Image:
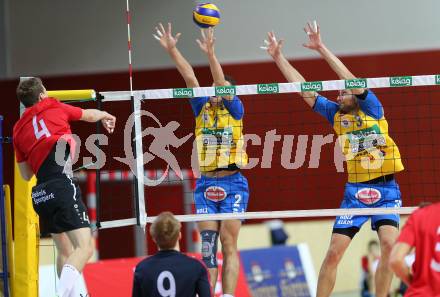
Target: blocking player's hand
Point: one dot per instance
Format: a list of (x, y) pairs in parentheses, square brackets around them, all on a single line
[(165, 37), (272, 45), (314, 34), (206, 43), (109, 122)]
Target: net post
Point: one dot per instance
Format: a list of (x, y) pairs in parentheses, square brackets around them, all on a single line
[(138, 186), (99, 98)]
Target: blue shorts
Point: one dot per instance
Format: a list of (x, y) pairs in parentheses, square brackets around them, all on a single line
[(229, 194), (359, 195)]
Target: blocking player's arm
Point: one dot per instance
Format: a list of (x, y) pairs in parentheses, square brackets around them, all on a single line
[(273, 47), (235, 107), (370, 104), (168, 42), (25, 170), (206, 44), (94, 115), (315, 43)]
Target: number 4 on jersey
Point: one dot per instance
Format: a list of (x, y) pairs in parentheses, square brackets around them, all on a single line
[(40, 132)]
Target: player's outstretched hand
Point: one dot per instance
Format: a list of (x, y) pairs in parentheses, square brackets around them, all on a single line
[(314, 34), (272, 45), (206, 43), (165, 37)]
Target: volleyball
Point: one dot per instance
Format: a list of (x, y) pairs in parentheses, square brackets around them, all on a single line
[(206, 15)]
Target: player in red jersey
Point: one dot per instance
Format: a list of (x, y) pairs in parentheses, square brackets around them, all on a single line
[(422, 232), (56, 198)]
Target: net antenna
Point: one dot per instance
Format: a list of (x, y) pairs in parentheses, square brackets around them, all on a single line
[(138, 186)]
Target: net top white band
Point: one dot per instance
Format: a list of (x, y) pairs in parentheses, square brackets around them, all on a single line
[(277, 88), (312, 213)]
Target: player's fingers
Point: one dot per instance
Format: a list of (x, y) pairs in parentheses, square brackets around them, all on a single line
[(156, 37), (162, 28), (315, 26), (169, 28), (307, 31), (203, 34), (178, 36), (269, 35), (274, 37)]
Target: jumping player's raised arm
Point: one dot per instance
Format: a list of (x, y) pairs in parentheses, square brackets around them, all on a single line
[(232, 103), (315, 43), (169, 42), (206, 44), (273, 47), (368, 102)]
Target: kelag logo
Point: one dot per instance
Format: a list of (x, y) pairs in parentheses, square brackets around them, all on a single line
[(311, 86), (183, 93), (225, 91), (401, 81), (267, 88), (437, 79), (356, 83)]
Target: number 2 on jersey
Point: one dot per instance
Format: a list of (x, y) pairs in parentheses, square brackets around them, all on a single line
[(40, 132), (171, 291)]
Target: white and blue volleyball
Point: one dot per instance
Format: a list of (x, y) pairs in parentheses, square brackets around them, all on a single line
[(206, 15)]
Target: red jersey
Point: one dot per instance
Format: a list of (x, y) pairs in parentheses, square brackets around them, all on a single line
[(39, 129), (422, 231)]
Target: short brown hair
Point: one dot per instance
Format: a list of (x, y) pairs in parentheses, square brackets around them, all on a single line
[(29, 90), (165, 230)]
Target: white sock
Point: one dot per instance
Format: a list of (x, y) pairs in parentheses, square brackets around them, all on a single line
[(68, 278), (77, 289), (228, 295)]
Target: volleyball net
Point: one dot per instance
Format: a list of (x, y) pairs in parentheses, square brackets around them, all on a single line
[(296, 173)]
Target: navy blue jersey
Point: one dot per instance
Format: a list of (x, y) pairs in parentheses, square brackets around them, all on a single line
[(172, 274)]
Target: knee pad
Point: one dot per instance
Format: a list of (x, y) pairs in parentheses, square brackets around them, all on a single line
[(209, 248)]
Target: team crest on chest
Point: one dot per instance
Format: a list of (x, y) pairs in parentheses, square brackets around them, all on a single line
[(345, 122)]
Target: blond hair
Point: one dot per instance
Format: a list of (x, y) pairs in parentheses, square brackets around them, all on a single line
[(165, 230)]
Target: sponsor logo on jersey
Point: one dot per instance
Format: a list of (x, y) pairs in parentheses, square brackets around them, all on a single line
[(215, 193), (437, 79), (267, 88), (368, 195), (217, 137), (366, 139)]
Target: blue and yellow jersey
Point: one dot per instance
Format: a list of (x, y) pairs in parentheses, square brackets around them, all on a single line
[(219, 133), (368, 149)]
